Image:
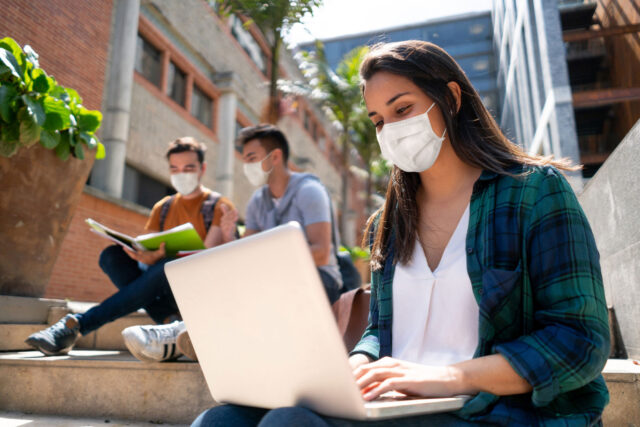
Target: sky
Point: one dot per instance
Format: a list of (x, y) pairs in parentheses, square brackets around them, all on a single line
[(343, 17)]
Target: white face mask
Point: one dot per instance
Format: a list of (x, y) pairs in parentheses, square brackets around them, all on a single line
[(411, 144), (254, 173), (185, 183)]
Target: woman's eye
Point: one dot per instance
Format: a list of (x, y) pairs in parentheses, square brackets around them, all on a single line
[(403, 109), (378, 124)]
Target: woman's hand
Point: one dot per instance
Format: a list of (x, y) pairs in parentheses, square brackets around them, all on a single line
[(357, 360), (388, 374)]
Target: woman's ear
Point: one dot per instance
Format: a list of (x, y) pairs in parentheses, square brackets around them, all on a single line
[(456, 92)]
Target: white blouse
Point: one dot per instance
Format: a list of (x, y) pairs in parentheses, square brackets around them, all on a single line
[(435, 315)]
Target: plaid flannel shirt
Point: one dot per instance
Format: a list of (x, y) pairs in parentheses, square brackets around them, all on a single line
[(535, 272)]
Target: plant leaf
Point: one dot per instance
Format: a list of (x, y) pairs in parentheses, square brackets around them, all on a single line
[(100, 152), (57, 114), (8, 148), (35, 109), (29, 129), (74, 98), (89, 120), (41, 82), (88, 139), (9, 65), (10, 132), (49, 140), (7, 96), (31, 55), (78, 151), (63, 149)]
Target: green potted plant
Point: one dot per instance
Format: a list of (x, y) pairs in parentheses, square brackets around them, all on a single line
[(47, 148)]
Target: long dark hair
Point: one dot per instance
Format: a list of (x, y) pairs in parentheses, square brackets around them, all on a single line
[(475, 137)]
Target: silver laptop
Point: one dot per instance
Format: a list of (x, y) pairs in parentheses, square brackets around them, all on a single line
[(264, 332)]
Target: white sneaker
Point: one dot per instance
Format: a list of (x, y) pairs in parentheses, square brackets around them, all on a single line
[(154, 343)]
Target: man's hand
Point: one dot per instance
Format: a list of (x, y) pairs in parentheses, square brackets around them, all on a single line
[(147, 257), (228, 223)]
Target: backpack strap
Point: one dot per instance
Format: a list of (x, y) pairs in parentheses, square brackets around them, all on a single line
[(165, 210), (208, 207)]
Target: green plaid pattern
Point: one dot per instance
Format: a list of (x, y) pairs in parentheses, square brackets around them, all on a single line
[(535, 272)]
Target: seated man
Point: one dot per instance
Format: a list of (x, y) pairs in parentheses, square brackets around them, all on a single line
[(283, 196), (139, 276)]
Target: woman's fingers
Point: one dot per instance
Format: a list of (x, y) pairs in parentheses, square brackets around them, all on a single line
[(379, 375)]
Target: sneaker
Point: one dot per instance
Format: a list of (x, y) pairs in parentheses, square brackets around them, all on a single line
[(185, 346), (58, 338), (153, 343)]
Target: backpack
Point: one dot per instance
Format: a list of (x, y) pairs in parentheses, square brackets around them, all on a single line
[(207, 209)]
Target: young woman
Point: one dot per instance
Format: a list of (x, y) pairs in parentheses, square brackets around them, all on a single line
[(485, 274)]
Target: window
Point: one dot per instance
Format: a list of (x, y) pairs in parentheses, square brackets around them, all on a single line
[(176, 83), (142, 189), (248, 43), (148, 61), (201, 106)]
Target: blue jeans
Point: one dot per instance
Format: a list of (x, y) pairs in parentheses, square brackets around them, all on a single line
[(244, 416), (136, 289)]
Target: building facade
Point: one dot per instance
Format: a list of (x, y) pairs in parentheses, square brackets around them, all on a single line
[(568, 76), (159, 70)]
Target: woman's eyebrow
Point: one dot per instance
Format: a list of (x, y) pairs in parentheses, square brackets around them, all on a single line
[(390, 101)]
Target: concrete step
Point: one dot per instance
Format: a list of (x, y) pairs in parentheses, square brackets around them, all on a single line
[(14, 331), (17, 419), (114, 385), (109, 384), (623, 380)]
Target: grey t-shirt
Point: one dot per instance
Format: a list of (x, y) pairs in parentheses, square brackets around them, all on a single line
[(305, 200)]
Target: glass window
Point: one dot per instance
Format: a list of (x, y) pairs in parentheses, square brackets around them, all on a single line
[(201, 106), (148, 61), (248, 43), (142, 189), (176, 83)]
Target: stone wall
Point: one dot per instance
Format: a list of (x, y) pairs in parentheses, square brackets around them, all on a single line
[(611, 201)]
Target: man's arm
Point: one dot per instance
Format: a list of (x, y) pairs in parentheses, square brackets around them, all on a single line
[(225, 231), (319, 236)]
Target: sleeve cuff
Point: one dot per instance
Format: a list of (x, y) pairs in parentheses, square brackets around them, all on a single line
[(530, 364), (367, 347)]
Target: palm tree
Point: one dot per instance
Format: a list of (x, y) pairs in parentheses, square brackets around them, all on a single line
[(273, 18), (339, 94)]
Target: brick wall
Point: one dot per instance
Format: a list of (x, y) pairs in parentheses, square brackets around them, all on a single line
[(71, 37), (76, 274)]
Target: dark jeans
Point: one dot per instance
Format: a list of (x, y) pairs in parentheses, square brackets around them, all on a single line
[(244, 416), (331, 286), (136, 289)]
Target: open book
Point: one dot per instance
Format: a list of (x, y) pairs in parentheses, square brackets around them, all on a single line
[(181, 238)]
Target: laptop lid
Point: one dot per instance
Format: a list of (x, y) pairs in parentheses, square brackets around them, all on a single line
[(260, 322)]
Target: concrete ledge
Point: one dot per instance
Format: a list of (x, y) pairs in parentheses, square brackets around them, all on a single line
[(16, 310), (107, 384), (623, 380)]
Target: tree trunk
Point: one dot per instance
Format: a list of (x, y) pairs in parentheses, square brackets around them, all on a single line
[(368, 187), (344, 205), (273, 109)]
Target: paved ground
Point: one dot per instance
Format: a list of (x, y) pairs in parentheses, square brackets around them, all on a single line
[(15, 419)]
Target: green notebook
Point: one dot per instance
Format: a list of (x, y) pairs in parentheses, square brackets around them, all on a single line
[(181, 238)]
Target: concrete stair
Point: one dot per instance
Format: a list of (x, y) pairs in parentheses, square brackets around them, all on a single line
[(109, 384), (20, 317)]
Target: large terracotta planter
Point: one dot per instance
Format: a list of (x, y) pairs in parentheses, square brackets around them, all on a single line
[(38, 196)]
